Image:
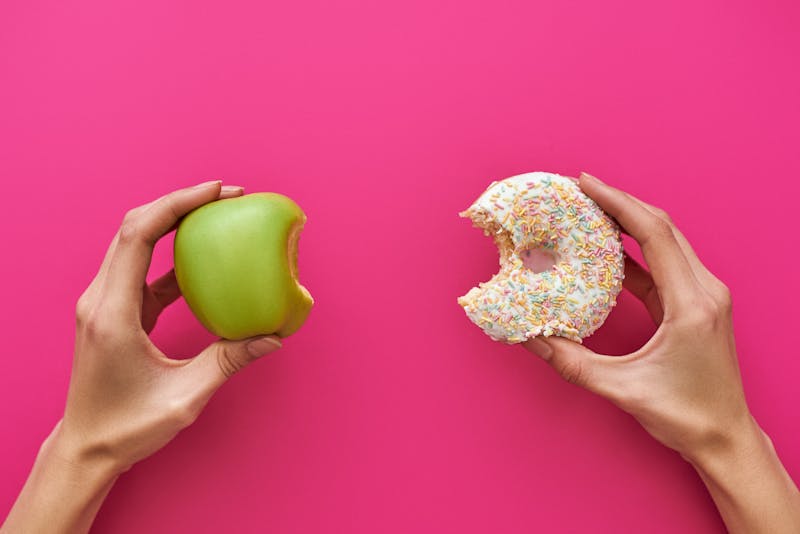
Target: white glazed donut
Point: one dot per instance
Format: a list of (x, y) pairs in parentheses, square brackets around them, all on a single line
[(548, 214)]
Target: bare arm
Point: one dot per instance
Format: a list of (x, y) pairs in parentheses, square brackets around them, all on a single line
[(63, 492), (749, 485), (684, 385)]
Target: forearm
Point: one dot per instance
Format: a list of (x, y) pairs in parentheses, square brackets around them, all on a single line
[(750, 486), (63, 492)]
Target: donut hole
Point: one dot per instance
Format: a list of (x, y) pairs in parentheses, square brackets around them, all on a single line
[(538, 259)]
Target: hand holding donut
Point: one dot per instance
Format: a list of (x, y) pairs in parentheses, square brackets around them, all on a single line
[(683, 385)]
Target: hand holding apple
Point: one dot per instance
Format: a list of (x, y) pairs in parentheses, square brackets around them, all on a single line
[(126, 398)]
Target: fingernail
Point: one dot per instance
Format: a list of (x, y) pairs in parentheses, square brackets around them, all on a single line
[(540, 347), (588, 176), (263, 346), (232, 188), (207, 184)]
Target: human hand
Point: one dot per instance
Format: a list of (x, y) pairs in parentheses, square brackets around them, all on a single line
[(126, 398), (683, 385)]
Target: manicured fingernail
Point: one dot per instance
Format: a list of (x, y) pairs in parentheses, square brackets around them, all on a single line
[(232, 189), (588, 176), (540, 347), (207, 184), (263, 346)]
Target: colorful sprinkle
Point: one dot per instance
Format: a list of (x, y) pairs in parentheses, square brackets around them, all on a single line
[(548, 211)]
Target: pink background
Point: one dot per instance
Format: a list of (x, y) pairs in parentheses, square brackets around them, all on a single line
[(390, 411)]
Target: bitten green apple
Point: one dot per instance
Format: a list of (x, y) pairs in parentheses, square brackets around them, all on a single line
[(236, 265)]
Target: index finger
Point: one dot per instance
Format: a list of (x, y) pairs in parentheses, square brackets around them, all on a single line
[(671, 272), (140, 231), (701, 272), (100, 277)]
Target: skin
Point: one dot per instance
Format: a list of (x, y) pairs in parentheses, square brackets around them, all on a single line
[(684, 385), (126, 400)]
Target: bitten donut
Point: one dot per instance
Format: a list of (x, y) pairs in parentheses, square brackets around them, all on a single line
[(546, 215)]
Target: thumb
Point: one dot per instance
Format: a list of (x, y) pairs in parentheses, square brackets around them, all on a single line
[(577, 364), (224, 358)]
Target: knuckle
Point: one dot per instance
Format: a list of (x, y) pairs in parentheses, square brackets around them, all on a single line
[(662, 214), (702, 312), (573, 372), (656, 230), (83, 308), (129, 231), (172, 208), (227, 361), (660, 228), (96, 326), (102, 322), (724, 298), (131, 215), (182, 413)]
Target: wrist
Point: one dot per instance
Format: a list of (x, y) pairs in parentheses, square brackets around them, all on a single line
[(736, 441), (748, 483), (64, 490), (76, 459)]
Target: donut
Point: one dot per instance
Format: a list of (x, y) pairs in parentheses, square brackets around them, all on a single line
[(561, 262)]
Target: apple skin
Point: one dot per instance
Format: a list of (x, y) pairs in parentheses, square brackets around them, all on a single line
[(236, 266)]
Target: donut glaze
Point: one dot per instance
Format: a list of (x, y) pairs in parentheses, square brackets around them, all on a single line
[(547, 213)]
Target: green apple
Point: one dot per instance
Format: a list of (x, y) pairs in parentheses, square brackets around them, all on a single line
[(236, 265)]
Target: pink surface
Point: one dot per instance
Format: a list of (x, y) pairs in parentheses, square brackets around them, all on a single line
[(390, 411)]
